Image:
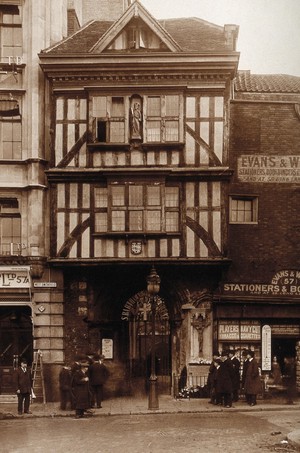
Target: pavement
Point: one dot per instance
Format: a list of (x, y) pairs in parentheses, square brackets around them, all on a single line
[(139, 406)]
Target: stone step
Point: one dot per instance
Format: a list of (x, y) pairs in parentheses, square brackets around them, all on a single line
[(8, 398)]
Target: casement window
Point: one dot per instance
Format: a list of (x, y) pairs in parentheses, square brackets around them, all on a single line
[(10, 227), (136, 208), (243, 209), (162, 118), (10, 34), (109, 119), (10, 137)]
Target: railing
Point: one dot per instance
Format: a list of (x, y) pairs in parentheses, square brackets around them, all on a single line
[(11, 248)]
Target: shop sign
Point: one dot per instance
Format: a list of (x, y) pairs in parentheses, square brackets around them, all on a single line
[(107, 348), (266, 358), (235, 330), (268, 169), (283, 283), (285, 330), (14, 277)]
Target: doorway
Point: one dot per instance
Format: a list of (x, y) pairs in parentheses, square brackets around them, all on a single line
[(283, 347), (16, 341), (137, 312)]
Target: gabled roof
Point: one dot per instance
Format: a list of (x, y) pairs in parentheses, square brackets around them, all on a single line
[(178, 35), (266, 83), (135, 11)]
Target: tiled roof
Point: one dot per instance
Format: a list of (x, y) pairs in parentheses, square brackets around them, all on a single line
[(266, 83), (195, 35), (191, 34)]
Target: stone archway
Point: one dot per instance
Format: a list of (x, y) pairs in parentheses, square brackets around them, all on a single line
[(137, 312)]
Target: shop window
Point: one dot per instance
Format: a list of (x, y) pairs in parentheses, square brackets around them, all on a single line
[(136, 208), (162, 122), (243, 209), (10, 227), (10, 34), (109, 119), (10, 137)]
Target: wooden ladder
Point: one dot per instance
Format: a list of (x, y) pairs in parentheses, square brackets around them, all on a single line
[(38, 383)]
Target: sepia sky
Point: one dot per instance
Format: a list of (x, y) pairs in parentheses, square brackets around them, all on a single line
[(269, 34)]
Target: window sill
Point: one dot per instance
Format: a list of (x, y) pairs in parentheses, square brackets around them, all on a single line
[(137, 235), (162, 145), (97, 146)]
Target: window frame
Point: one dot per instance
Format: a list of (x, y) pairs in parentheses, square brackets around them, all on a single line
[(146, 207), (9, 209), (253, 199), (16, 145), (14, 26)]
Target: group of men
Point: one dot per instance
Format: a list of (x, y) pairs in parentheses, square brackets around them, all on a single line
[(81, 384), (225, 380)]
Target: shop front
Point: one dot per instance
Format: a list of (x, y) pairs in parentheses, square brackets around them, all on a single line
[(16, 328), (262, 317)]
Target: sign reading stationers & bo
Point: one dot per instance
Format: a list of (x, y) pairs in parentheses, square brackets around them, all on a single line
[(283, 283)]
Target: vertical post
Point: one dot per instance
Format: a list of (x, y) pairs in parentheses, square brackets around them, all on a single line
[(153, 286), (153, 397)]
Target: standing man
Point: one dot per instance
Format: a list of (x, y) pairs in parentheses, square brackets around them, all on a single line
[(236, 375), (98, 375), (23, 386), (224, 379), (252, 381)]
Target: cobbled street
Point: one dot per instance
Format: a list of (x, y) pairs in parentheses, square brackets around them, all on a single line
[(154, 433)]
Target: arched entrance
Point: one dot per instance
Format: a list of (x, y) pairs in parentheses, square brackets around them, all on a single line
[(16, 340), (137, 312)]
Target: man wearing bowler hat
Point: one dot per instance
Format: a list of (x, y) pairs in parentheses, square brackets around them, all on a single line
[(98, 374), (23, 385)]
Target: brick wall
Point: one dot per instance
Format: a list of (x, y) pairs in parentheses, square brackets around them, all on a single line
[(259, 251)]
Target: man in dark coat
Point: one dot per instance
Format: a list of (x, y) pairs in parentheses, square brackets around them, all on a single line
[(224, 380), (98, 374), (81, 390), (65, 384), (23, 386), (236, 375), (290, 379), (244, 372), (253, 384)]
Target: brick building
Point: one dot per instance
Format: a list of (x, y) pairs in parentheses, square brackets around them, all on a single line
[(260, 294)]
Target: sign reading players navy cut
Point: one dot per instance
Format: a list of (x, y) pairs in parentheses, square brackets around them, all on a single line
[(268, 169)]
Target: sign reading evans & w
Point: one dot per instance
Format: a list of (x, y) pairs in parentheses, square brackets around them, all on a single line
[(283, 283), (268, 169)]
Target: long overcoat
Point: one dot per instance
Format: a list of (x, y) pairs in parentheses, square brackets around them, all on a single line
[(81, 390), (253, 384), (23, 381), (236, 373), (98, 373), (224, 377)]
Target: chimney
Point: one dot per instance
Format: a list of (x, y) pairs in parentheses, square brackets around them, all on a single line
[(231, 35), (107, 10)]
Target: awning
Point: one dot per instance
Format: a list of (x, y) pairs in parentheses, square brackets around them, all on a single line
[(9, 107)]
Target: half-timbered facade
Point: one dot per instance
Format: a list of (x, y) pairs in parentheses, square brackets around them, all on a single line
[(137, 122)]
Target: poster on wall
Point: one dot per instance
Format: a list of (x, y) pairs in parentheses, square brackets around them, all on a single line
[(107, 348)]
